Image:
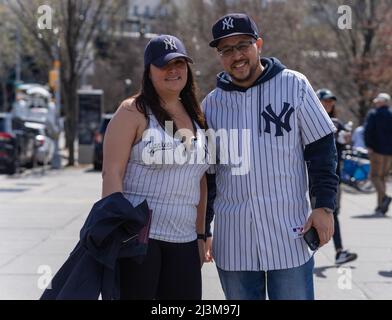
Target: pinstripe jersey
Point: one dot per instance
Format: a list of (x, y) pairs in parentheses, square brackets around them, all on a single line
[(172, 190), (258, 214)]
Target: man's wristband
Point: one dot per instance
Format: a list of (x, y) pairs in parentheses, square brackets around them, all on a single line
[(201, 236)]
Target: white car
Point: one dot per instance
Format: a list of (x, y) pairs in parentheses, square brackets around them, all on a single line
[(44, 144)]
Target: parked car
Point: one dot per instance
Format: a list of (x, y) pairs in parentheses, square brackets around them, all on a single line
[(98, 141), (43, 143), (32, 103), (17, 144)]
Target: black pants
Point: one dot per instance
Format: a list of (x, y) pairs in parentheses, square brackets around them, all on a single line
[(169, 271), (337, 238)]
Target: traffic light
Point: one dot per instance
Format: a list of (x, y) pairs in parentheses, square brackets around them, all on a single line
[(54, 75)]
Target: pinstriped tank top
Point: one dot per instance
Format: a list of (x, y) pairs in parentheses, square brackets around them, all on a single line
[(156, 171)]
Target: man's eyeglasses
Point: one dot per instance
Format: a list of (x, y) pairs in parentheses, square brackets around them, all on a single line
[(242, 47)]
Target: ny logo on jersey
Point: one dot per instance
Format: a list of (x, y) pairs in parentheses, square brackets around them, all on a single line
[(169, 44), (270, 116), (228, 23)]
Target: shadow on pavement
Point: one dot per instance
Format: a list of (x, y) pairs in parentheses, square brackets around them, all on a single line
[(29, 184), (13, 190), (319, 272), (370, 216), (387, 274)]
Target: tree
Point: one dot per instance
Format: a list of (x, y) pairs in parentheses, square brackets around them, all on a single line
[(364, 64), (120, 64), (76, 25), (280, 25), (7, 57)]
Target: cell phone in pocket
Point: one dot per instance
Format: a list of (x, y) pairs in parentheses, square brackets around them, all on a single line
[(312, 239)]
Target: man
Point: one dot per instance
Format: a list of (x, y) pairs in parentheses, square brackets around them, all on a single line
[(342, 138), (260, 212), (358, 139), (378, 140)]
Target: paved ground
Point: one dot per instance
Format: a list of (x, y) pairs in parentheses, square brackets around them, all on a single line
[(41, 215)]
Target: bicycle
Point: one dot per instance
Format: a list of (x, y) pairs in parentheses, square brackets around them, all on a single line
[(355, 170)]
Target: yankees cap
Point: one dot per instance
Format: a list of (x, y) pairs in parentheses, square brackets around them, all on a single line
[(324, 94), (233, 24), (162, 49)]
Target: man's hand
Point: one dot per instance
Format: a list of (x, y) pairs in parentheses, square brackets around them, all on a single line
[(208, 255), (324, 224)]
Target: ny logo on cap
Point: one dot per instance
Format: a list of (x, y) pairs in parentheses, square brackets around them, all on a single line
[(169, 42), (228, 23)]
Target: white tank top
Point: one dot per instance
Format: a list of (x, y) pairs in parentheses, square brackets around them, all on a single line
[(172, 189)]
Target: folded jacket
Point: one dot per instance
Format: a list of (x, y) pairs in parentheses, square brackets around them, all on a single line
[(113, 229)]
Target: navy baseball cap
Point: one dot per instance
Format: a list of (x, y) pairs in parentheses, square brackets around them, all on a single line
[(233, 24), (324, 94), (161, 49)]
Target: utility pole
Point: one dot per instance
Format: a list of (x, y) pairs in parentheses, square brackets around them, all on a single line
[(56, 160)]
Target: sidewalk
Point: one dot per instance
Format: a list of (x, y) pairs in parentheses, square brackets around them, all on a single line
[(371, 238), (40, 219)]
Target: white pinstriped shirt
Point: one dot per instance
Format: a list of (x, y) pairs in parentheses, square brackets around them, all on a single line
[(172, 190), (255, 214)]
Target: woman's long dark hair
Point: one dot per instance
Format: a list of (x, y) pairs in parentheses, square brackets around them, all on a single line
[(148, 99)]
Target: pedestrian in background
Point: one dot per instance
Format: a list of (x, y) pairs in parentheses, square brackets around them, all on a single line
[(378, 140), (342, 138)]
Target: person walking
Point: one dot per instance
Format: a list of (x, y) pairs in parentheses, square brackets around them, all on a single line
[(342, 138), (378, 140)]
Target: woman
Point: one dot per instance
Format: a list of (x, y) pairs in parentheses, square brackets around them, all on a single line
[(176, 192)]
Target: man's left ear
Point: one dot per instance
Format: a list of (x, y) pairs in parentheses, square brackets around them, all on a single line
[(259, 44)]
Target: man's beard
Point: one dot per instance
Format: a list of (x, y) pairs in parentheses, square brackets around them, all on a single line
[(252, 71)]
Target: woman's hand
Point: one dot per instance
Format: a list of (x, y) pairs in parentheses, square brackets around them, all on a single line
[(208, 251), (202, 251)]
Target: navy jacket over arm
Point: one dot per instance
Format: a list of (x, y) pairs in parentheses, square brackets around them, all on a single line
[(112, 230), (321, 159)]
